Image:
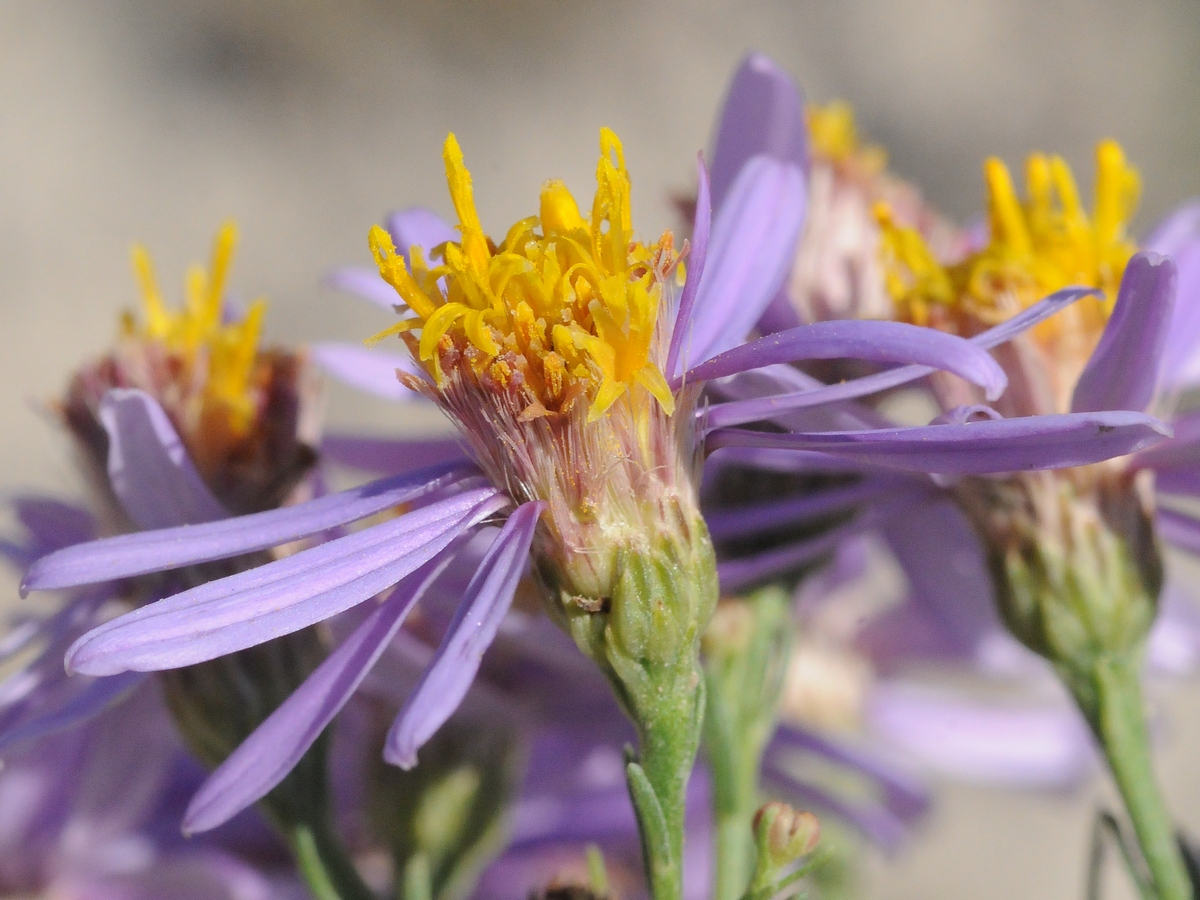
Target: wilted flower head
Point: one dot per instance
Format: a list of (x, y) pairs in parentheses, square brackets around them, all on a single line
[(245, 415)]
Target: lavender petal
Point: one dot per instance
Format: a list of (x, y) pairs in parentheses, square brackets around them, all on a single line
[(419, 227), (947, 575), (880, 342), (977, 448), (148, 467), (1122, 372), (749, 255), (372, 371), (79, 706), (763, 114), (267, 755), (701, 226), (365, 283), (740, 412), (750, 519), (281, 597), (169, 548), (1047, 746), (444, 684), (1178, 529), (391, 456)]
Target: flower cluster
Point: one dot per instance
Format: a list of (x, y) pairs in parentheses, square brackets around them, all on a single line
[(665, 456)]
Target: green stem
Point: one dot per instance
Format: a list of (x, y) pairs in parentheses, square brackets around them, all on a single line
[(735, 853), (327, 869), (1119, 721)]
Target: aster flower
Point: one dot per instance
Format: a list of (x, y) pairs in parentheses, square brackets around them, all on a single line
[(574, 402), (1071, 555)]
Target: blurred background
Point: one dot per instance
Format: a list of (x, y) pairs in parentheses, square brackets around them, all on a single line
[(306, 121)]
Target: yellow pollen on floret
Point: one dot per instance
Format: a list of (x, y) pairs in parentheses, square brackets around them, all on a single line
[(197, 333), (565, 305), (1035, 247), (834, 136)]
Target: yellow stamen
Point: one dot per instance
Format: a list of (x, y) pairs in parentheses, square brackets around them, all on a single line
[(563, 299), (226, 352), (834, 137), (1034, 248)]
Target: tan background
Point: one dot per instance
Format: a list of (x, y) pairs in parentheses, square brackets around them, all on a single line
[(307, 121)]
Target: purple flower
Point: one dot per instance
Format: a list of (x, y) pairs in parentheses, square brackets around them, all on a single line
[(575, 402), (1117, 344)]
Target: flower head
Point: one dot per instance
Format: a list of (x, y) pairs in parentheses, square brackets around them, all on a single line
[(1034, 247), (245, 415)]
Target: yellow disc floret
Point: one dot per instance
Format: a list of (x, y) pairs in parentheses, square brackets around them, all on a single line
[(834, 137), (1034, 248), (565, 308), (219, 355)]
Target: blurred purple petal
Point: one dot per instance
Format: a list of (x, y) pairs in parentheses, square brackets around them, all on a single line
[(873, 820), (702, 224), (170, 548), (740, 412), (981, 741), (749, 256), (947, 575), (372, 371), (739, 574), (391, 456), (148, 466), (266, 757), (419, 227), (364, 283), (1173, 644), (1122, 372), (1179, 529), (763, 115), (905, 795), (750, 519), (446, 680), (278, 598), (81, 705), (1177, 231), (1004, 445), (879, 342)]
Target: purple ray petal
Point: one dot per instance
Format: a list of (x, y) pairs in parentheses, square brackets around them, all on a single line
[(1180, 368), (1177, 231), (372, 371), (1179, 529), (419, 227), (281, 597), (750, 519), (79, 706), (804, 462), (737, 575), (445, 682), (763, 114), (947, 575), (972, 739), (265, 758), (156, 551), (880, 342), (391, 455), (749, 255), (871, 819), (740, 412), (1004, 445), (1122, 372), (53, 524), (148, 467), (906, 795), (701, 226), (365, 283)]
